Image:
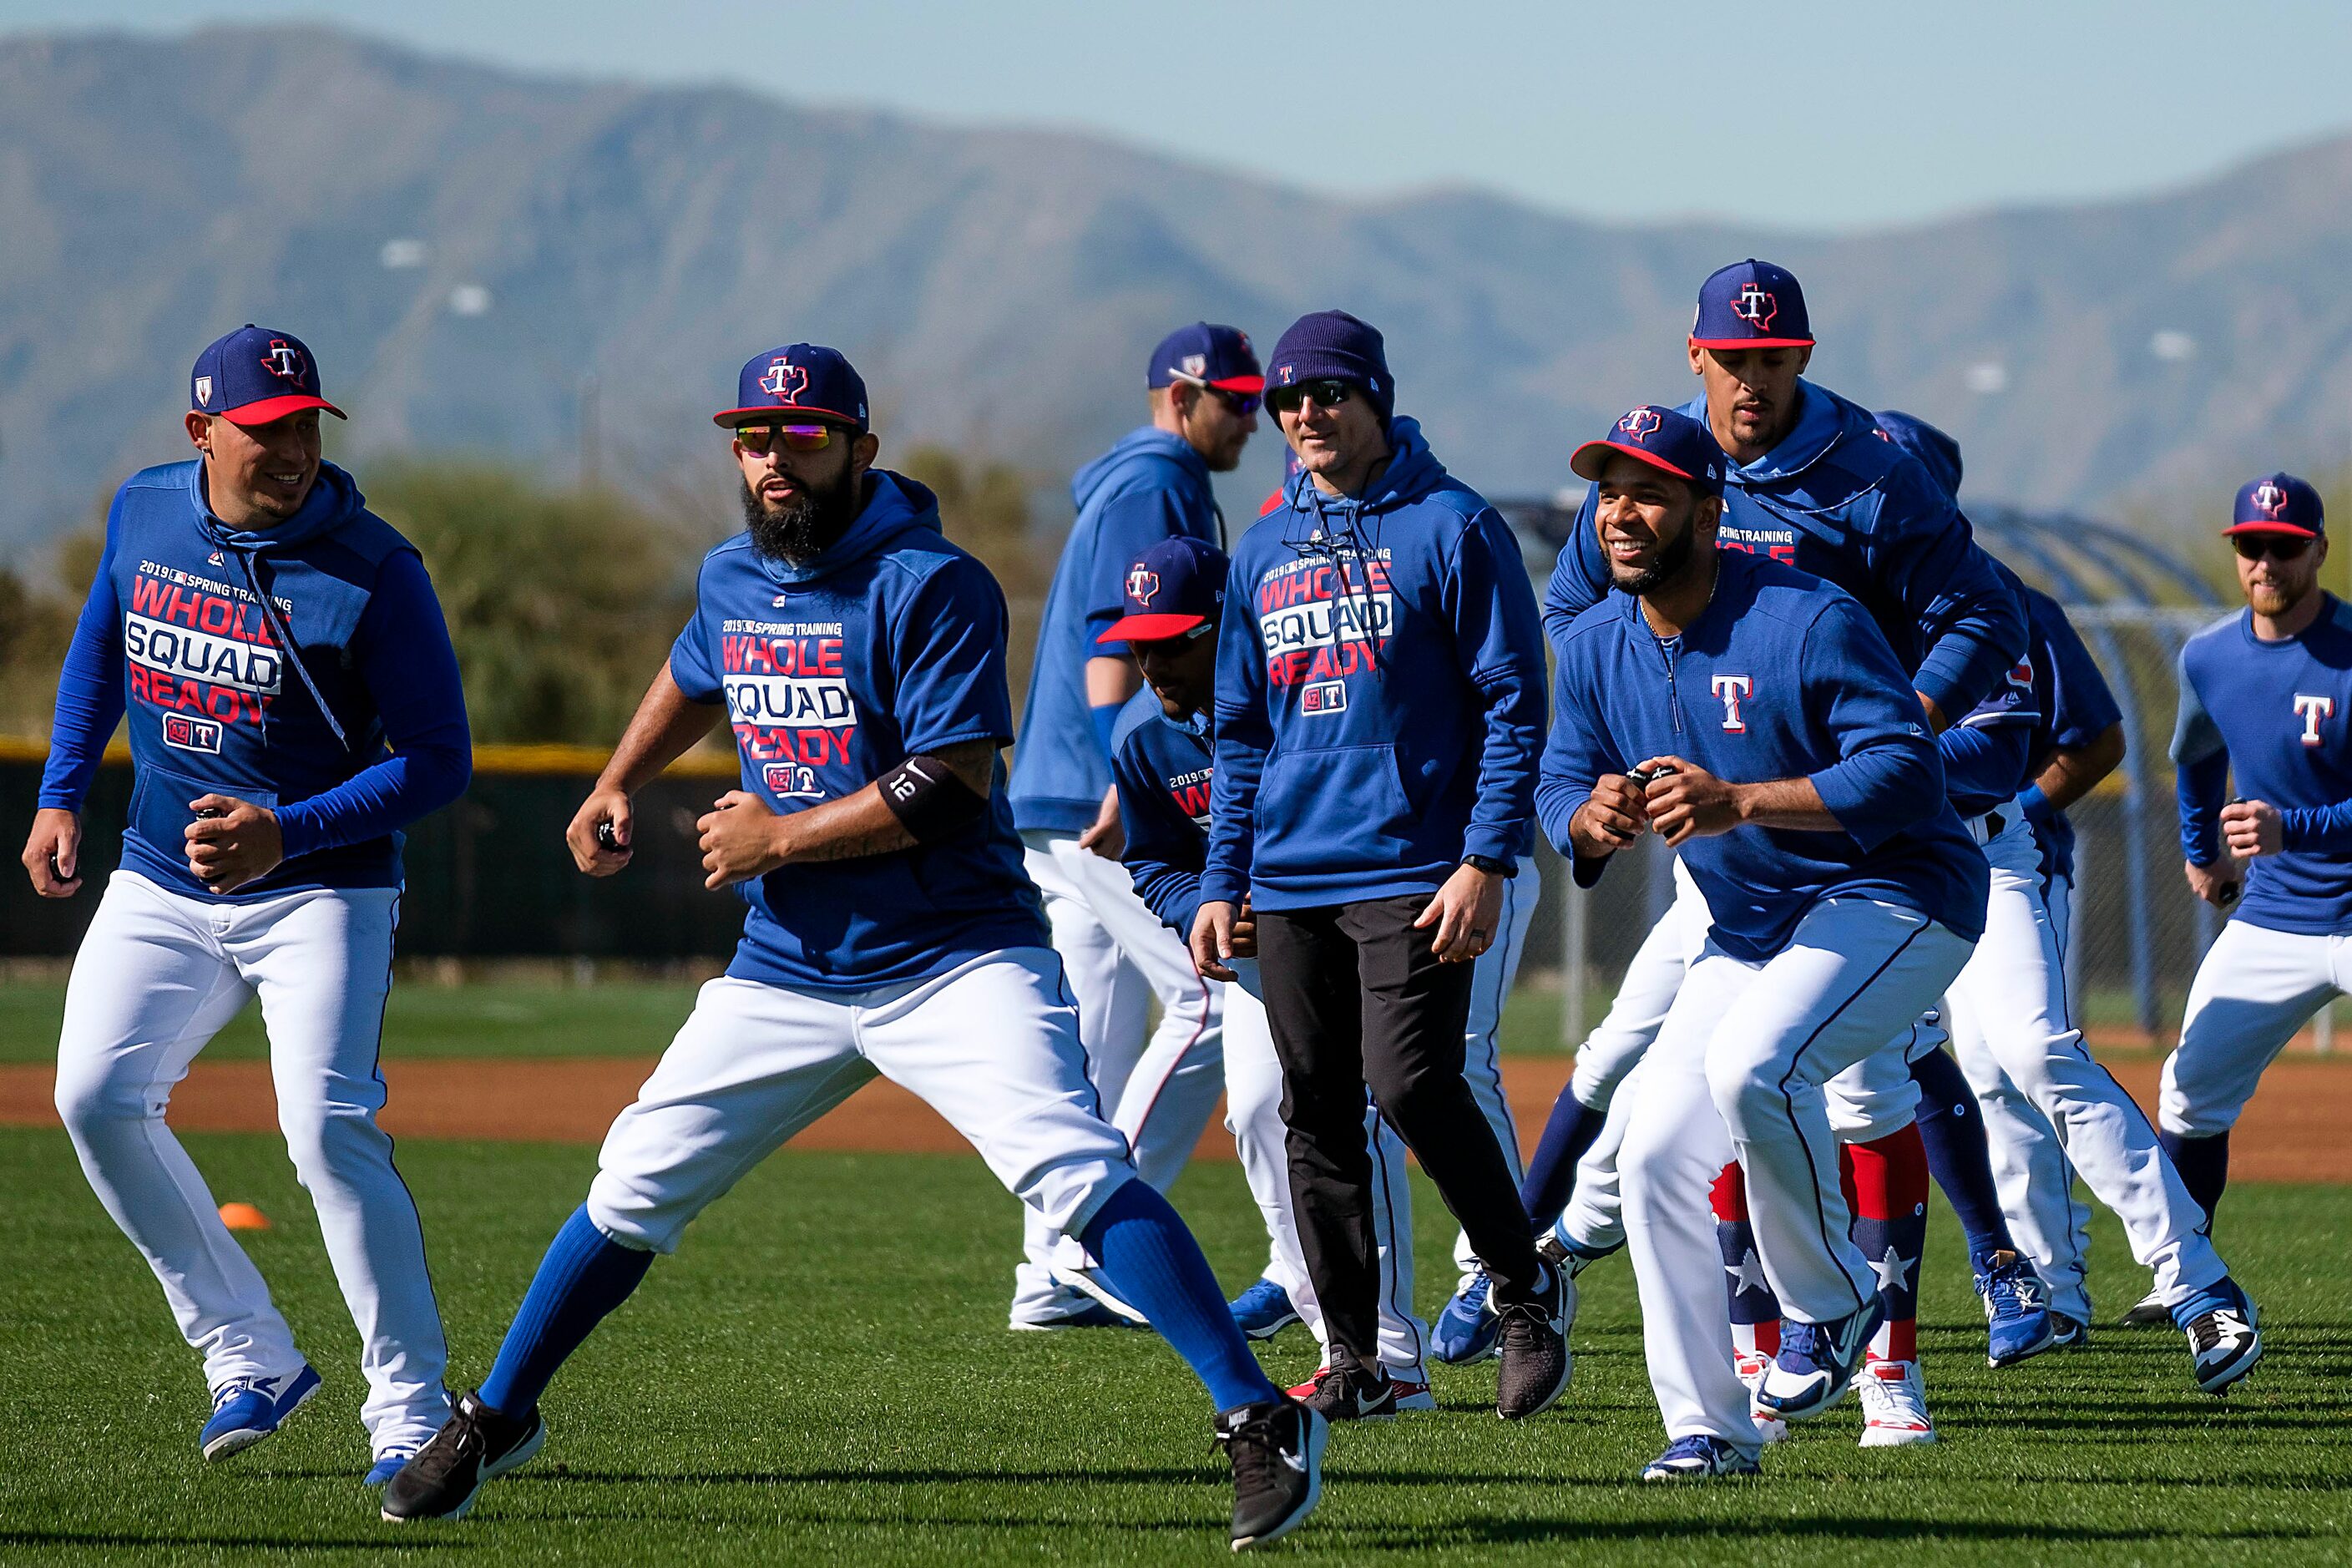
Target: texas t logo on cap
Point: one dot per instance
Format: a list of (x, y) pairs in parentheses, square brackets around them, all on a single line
[(255, 375), (1142, 582), (784, 381), (2268, 498), (1751, 304), (2278, 503), (283, 360), (1640, 423), (1755, 306), (804, 377)]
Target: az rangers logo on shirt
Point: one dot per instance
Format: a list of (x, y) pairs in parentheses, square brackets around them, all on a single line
[(190, 733), (1733, 690), (792, 780), (1324, 697), (1755, 306), (784, 381), (2311, 709), (1142, 584)]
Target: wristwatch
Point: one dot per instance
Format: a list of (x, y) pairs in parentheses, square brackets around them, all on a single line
[(1485, 863)]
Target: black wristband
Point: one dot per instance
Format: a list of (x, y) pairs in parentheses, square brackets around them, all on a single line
[(927, 798), (1488, 864)]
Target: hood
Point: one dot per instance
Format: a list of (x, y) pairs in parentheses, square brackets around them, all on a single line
[(1937, 452), (1133, 453), (1824, 422), (334, 500), (1413, 472), (897, 506)]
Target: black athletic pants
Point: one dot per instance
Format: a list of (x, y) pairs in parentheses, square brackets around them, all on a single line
[(1355, 997)]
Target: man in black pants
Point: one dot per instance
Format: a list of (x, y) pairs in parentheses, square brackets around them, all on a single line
[(1380, 715)]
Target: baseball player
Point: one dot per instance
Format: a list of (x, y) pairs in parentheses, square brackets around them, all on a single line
[(292, 702), (1378, 710), (860, 658), (1159, 1085), (1164, 761), (1810, 808), (2264, 696)]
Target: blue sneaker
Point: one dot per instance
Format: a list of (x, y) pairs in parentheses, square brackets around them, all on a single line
[(1469, 1329), (251, 1408), (387, 1465), (1699, 1457), (2018, 1321), (1817, 1361), (1263, 1311), (2224, 1342)]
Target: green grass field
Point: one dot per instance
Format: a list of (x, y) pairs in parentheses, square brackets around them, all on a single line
[(822, 1375)]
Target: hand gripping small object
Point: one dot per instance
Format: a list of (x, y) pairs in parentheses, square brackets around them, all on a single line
[(605, 837), (1641, 777)]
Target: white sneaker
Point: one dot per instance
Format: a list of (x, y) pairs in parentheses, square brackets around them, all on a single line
[(1894, 1404), (1750, 1366)]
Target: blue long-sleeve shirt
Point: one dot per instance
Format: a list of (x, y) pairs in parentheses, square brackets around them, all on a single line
[(1782, 676), (1835, 500), (361, 731), (1163, 767), (1379, 692), (2276, 714)]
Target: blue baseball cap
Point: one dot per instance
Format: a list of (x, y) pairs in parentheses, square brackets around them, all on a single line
[(1176, 586), (1207, 356), (255, 374), (1665, 439), (1751, 304), (2278, 503), (799, 378)]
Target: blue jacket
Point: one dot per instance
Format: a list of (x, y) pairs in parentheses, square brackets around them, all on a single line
[(1379, 692), (359, 732), (1151, 485), (2279, 715), (1988, 752), (1162, 768), (1838, 500), (890, 643), (1782, 676), (2074, 707)]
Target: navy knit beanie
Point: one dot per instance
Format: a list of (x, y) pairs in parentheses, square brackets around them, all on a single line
[(1335, 345)]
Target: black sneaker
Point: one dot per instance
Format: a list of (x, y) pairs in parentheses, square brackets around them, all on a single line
[(475, 1445), (1346, 1390), (1535, 1363), (2223, 1342), (1276, 1450)]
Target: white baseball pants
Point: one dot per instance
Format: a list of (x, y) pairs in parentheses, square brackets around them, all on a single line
[(992, 1046), (1739, 1070), (2256, 987), (158, 975), (1159, 1086)]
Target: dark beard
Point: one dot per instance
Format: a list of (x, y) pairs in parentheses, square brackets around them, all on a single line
[(798, 532), (1673, 561)]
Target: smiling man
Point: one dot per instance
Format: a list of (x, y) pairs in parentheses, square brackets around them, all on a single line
[(293, 702)]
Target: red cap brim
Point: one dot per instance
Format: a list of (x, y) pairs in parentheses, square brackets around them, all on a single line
[(1150, 628), (1240, 383), (2294, 530), (1753, 342), (1584, 469), (773, 414), (274, 408)]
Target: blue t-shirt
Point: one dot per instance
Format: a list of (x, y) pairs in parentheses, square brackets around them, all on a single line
[(890, 644), (1783, 676), (1163, 768), (2275, 714)]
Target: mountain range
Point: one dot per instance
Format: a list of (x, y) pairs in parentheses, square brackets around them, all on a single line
[(493, 262)]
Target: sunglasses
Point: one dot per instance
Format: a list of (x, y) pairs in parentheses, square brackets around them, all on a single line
[(762, 440), (1240, 405), (2277, 546), (1325, 394)]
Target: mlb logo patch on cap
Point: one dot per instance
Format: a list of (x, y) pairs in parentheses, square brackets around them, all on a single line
[(255, 374), (1751, 304), (2278, 503), (804, 379)]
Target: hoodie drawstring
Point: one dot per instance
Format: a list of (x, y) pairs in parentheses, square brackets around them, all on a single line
[(285, 635)]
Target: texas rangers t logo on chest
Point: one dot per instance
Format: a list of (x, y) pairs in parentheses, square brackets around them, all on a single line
[(1733, 690), (2311, 709)]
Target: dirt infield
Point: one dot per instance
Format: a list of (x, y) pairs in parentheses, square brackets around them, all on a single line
[(2298, 1129)]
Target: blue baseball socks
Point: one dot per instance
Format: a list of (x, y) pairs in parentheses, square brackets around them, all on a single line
[(1154, 1264), (583, 1277)]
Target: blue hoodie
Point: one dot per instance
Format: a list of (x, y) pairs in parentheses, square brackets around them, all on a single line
[(1379, 692), (1163, 767), (1782, 676), (890, 643), (361, 733), (2075, 708), (1151, 485), (1840, 502)]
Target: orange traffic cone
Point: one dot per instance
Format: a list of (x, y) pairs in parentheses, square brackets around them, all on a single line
[(243, 1217)]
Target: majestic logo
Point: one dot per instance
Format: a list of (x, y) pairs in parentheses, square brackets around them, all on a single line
[(2311, 709), (283, 360), (203, 391), (777, 603), (1732, 689), (214, 559), (1323, 696), (784, 381), (1755, 306), (790, 780), (190, 733), (1641, 425), (2269, 499), (1142, 584)]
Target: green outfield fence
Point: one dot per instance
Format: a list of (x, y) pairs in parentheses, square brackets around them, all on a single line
[(487, 877)]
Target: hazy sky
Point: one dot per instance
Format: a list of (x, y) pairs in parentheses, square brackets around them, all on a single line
[(1803, 112)]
